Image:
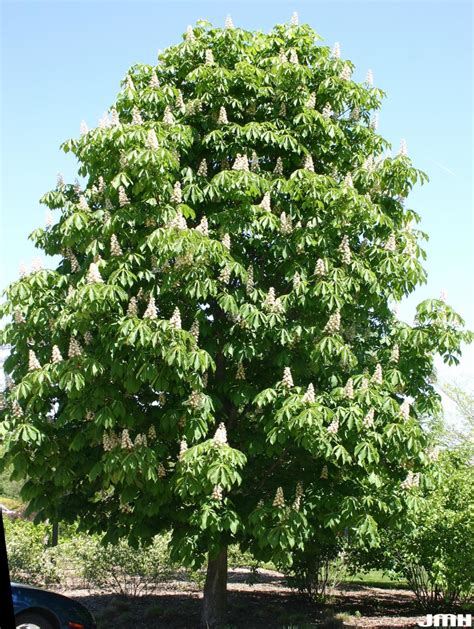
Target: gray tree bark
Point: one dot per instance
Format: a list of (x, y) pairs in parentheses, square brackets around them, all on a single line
[(214, 606)]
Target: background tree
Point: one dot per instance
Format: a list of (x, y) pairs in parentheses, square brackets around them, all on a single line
[(463, 398), (216, 352), (432, 546)]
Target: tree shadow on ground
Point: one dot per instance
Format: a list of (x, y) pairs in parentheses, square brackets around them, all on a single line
[(371, 601), (252, 609)]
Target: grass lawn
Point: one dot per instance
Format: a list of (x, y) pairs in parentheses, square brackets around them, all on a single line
[(10, 503), (375, 578)]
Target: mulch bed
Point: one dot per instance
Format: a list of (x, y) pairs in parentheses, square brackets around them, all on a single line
[(267, 604)]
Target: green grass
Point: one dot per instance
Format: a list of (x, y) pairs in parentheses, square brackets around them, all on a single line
[(11, 503), (375, 578)]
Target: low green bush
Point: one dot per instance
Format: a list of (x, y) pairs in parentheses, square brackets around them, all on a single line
[(8, 488), (82, 560), (29, 560), (122, 569)]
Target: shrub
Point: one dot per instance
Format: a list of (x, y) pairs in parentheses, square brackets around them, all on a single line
[(238, 558), (28, 558), (8, 488), (118, 568), (436, 556), (122, 569), (316, 569), (433, 549)]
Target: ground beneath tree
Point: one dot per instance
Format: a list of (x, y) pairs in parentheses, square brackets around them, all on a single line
[(268, 603)]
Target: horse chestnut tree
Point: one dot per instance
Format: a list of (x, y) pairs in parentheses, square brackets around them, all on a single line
[(217, 353)]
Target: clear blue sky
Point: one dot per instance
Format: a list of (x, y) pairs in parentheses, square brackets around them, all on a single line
[(62, 62)]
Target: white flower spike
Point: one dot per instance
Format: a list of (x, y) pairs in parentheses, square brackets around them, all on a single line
[(203, 227), (308, 163), (265, 203), (368, 421), (75, 348), (154, 82), (123, 199), (202, 169), (152, 140), (403, 151), (405, 409), (287, 380), (132, 310), (349, 389), (309, 396), (327, 111), (220, 437), (175, 320), (115, 248), (83, 205), (93, 274), (279, 500), (33, 362), (177, 195), (151, 311), (334, 323), (278, 170), (56, 356), (346, 73), (226, 241), (217, 493), (377, 377), (168, 117), (222, 119), (344, 248), (240, 373), (320, 269), (391, 244)]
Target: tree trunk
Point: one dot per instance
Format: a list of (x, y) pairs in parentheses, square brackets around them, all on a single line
[(55, 534), (214, 605)]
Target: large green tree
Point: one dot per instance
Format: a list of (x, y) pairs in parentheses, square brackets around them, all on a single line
[(216, 352)]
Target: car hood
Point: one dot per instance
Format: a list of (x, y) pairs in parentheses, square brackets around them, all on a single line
[(64, 608)]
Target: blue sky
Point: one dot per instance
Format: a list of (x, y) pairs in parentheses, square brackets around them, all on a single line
[(62, 62)]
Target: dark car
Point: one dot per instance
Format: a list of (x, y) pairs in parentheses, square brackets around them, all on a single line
[(40, 609)]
